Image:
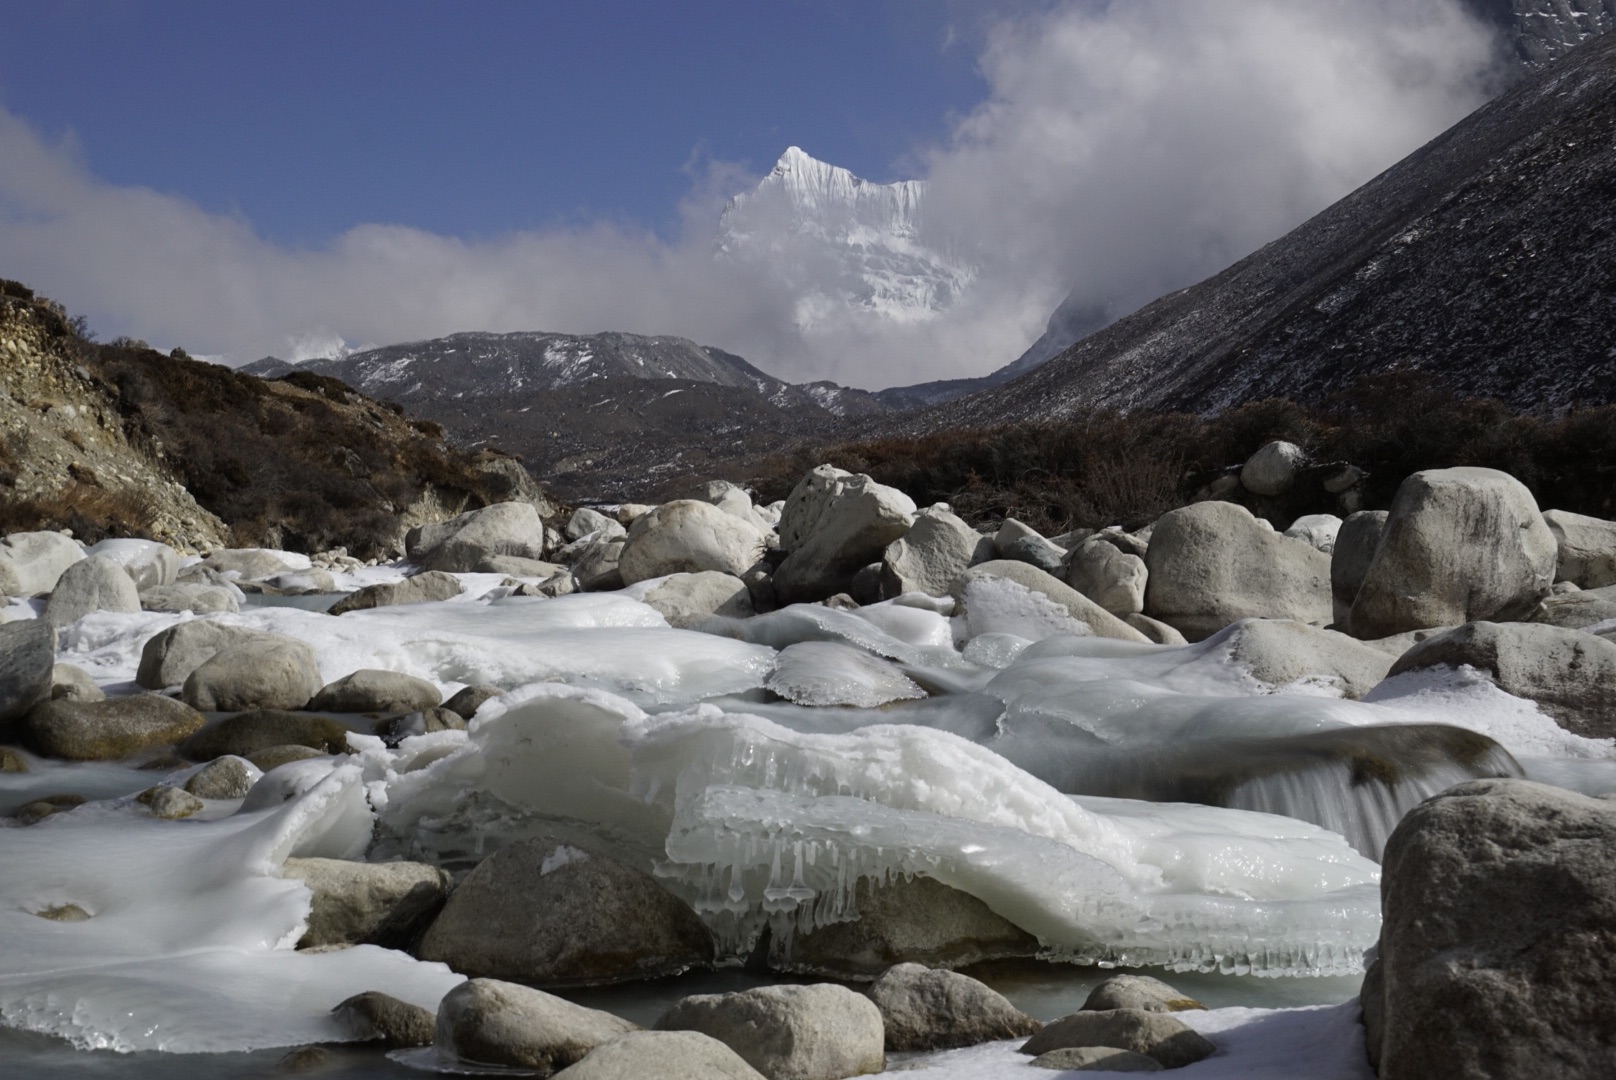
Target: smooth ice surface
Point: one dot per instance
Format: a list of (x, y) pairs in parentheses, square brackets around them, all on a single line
[(189, 942), (826, 673)]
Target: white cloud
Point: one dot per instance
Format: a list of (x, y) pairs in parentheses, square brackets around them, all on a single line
[(1126, 148)]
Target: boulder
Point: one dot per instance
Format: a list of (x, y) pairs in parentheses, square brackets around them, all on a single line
[(468, 700), (833, 524), (253, 564), (1319, 530), (686, 537), (374, 690), (1586, 548), (1571, 675), (187, 596), (1111, 578), (1497, 952), (31, 562), (1138, 992), (11, 761), (70, 683), (40, 809), (247, 733), (1578, 610), (170, 803), (597, 567), (1212, 563), (1354, 550), (1157, 631), (1011, 532), (516, 566), (1078, 606), (303, 582), (270, 758), (818, 1032), (168, 657), (27, 659), (396, 729), (501, 1023), (1046, 555), (277, 674), (917, 921), (1460, 545), (432, 585), (459, 544), (925, 1009), (735, 501), (1272, 469), (107, 730), (1154, 1034), (1281, 652), (628, 513), (1096, 1059), (585, 522), (937, 548), (148, 563), (374, 1015), (92, 584), (661, 1055), (687, 600), (358, 903), (561, 916), (1134, 543), (228, 777)]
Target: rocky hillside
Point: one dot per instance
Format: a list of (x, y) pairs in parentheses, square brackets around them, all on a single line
[(1483, 258), (65, 459)]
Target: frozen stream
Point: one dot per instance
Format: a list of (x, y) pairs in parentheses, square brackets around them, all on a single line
[(1125, 804)]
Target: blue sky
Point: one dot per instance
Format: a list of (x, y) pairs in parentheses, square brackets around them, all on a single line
[(473, 119)]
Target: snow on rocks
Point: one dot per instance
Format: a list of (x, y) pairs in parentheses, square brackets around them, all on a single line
[(828, 673), (1004, 596), (1213, 563), (32, 562), (148, 563), (1319, 530)]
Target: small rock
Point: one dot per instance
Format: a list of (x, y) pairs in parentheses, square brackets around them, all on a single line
[(1158, 1035), (64, 913), (304, 1059), (92, 584), (818, 1032), (228, 777), (1046, 555), (516, 566), (501, 1023), (420, 589), (70, 683), (251, 564), (276, 674), (375, 690), (1158, 632), (651, 1055), (926, 1009), (468, 700), (303, 582), (1138, 992), (273, 757), (1096, 1059), (170, 803), (248, 732), (107, 730), (585, 522), (40, 809), (359, 903), (375, 1015), (186, 596), (597, 567), (11, 761)]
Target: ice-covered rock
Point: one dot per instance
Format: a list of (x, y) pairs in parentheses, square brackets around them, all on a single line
[(461, 543), (816, 1032), (688, 537), (107, 730), (187, 596), (90, 584), (355, 903), (1156, 1035), (1460, 545), (31, 562), (639, 1055), (249, 732), (27, 657), (375, 1015), (1354, 550), (1004, 596), (834, 524), (1284, 652), (1106, 575), (925, 1009), (1138, 992), (1499, 919), (1272, 469), (938, 547), (828, 673), (372, 690), (148, 563), (558, 915), (502, 1023), (1213, 563), (1587, 548), (431, 585), (1571, 675), (273, 674), (1320, 530)]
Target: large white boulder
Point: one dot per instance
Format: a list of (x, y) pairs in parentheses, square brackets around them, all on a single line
[(169, 656), (1272, 469), (938, 547), (1213, 563), (279, 673), (585, 522), (1587, 547), (834, 524), (148, 562), (1320, 530), (461, 543), (92, 584), (1057, 592), (30, 562), (1109, 576), (688, 600), (687, 536), (1460, 545)]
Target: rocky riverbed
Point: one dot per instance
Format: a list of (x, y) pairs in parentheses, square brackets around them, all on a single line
[(721, 789)]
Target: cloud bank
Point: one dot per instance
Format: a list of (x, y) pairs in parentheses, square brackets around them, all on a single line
[(1125, 149)]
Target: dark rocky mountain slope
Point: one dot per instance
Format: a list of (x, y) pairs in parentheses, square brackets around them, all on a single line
[(1486, 258)]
